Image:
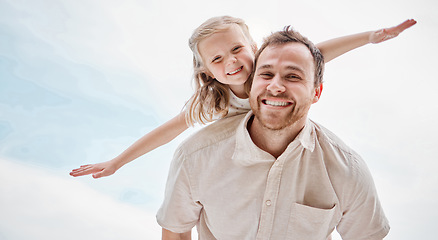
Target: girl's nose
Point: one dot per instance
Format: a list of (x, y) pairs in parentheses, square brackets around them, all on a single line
[(232, 60)]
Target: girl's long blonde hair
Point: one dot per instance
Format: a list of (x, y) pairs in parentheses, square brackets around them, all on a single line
[(211, 98)]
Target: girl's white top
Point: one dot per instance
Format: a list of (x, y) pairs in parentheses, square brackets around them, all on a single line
[(237, 106)]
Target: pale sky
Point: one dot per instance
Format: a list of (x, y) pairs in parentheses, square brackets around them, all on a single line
[(82, 80)]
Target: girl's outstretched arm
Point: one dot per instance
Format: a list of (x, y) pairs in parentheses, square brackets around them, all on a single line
[(334, 48), (157, 137)]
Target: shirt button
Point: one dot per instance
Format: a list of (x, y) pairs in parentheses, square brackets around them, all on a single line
[(268, 203)]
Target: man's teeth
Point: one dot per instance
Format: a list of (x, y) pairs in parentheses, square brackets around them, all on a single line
[(237, 70), (276, 103)]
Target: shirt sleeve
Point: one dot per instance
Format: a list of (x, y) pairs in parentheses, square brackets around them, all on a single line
[(179, 212), (363, 217)]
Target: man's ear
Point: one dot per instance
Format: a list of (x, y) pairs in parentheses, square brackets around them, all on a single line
[(318, 91)]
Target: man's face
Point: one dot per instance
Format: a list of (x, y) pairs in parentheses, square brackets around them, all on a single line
[(283, 86)]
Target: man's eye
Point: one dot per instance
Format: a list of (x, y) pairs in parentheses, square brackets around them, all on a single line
[(266, 75), (293, 77)]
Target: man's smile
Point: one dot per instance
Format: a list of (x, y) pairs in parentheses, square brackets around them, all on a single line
[(276, 102)]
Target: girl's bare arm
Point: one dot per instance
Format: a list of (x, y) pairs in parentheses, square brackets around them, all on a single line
[(159, 136), (334, 48)]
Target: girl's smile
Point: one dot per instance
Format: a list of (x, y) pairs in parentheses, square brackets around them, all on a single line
[(236, 71)]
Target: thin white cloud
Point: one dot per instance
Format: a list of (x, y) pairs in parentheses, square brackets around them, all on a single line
[(38, 204)]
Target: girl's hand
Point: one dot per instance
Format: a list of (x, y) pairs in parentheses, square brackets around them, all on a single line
[(392, 32), (97, 170)]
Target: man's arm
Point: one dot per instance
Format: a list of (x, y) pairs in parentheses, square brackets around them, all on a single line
[(363, 216), (180, 210), (168, 235)]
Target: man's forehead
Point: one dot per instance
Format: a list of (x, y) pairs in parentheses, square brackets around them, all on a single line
[(279, 53), (289, 67)]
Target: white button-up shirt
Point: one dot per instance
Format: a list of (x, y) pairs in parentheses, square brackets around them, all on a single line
[(222, 182)]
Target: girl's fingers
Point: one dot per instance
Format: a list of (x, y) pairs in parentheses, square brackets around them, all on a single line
[(79, 170), (403, 26), (83, 170), (97, 175), (392, 32)]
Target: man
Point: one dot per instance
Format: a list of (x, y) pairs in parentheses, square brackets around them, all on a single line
[(272, 174)]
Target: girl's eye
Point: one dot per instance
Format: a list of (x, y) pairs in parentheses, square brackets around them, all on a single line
[(216, 59), (237, 48)]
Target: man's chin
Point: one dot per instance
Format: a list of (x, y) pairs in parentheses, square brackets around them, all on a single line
[(275, 123)]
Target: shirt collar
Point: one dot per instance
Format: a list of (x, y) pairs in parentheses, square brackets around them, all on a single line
[(307, 136), (247, 153)]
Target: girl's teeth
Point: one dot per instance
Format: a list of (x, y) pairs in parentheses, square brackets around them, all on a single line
[(238, 70)]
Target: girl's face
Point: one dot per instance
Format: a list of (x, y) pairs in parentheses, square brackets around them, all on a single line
[(228, 57)]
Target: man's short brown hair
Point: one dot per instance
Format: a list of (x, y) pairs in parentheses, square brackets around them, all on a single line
[(289, 35)]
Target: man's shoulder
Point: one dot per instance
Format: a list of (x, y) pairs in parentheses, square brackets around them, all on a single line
[(212, 134), (342, 162), (324, 135), (353, 185)]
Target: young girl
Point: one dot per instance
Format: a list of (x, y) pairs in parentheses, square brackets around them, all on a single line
[(223, 56)]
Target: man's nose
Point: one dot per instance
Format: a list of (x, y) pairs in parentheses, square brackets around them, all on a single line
[(276, 86)]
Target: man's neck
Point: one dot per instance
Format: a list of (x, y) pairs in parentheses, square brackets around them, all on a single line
[(274, 142)]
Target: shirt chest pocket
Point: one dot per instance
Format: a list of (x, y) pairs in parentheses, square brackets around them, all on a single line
[(309, 223)]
